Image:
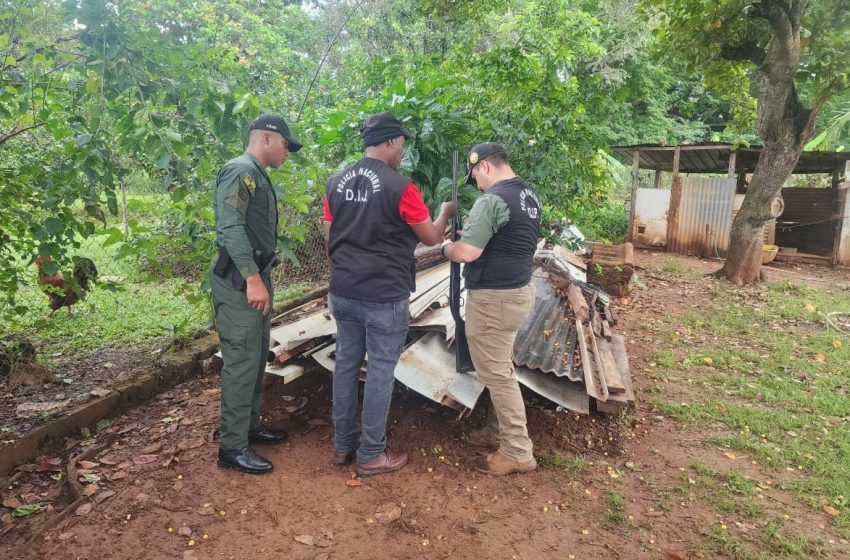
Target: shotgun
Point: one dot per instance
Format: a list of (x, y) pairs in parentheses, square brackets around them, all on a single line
[(463, 360)]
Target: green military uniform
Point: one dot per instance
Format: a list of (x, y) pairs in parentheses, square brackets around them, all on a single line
[(246, 223)]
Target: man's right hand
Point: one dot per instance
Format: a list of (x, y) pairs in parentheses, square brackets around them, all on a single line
[(258, 295)]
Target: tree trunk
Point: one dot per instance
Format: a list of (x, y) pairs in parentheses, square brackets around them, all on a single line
[(784, 127)]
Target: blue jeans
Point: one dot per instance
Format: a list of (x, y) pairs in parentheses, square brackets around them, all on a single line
[(379, 329)]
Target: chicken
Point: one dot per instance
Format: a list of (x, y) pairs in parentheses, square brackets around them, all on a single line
[(63, 293)]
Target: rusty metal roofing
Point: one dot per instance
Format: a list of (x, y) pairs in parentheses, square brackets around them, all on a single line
[(703, 219), (714, 158), (546, 340)]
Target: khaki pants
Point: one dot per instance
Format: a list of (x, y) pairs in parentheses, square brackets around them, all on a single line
[(492, 320)]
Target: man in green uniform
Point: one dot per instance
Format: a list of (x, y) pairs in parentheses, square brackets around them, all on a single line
[(246, 232)]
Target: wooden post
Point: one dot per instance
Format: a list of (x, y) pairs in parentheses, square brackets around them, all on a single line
[(657, 179), (633, 203), (733, 156), (742, 182), (675, 201), (847, 171)]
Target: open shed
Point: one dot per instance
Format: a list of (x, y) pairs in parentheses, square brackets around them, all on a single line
[(708, 183)]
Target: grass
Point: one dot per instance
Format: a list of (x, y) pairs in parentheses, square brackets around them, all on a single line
[(551, 461), (615, 507), (774, 386)]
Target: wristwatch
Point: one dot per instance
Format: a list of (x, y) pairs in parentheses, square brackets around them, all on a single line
[(443, 251)]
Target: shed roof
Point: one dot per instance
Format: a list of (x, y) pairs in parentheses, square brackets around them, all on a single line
[(714, 158)]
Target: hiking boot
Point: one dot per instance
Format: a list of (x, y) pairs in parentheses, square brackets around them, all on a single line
[(342, 458), (483, 438), (388, 461), (497, 464)]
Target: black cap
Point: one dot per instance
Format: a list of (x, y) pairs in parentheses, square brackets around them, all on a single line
[(382, 127), (478, 153), (273, 123)]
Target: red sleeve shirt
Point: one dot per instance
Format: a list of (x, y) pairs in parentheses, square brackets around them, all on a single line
[(411, 207)]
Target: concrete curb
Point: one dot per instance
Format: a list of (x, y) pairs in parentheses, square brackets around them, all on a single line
[(172, 370)]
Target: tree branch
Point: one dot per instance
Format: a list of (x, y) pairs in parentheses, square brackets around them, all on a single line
[(16, 131)]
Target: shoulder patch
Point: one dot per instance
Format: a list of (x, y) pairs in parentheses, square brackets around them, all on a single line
[(249, 183)]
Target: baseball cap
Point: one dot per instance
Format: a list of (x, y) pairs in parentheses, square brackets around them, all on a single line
[(480, 152), (273, 123), (381, 127)]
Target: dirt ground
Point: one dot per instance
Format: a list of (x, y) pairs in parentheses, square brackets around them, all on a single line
[(608, 487)]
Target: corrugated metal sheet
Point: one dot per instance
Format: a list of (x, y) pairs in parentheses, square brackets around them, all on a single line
[(811, 220), (546, 340), (703, 216)]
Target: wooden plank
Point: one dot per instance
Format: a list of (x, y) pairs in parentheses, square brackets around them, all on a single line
[(595, 322), (611, 314), (593, 382), (577, 303), (609, 407), (733, 157), (617, 346), (610, 369), (606, 330)]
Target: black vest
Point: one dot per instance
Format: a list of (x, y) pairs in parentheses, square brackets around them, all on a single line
[(508, 257), (370, 245)]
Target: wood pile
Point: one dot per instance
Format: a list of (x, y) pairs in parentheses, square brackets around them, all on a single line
[(611, 267)]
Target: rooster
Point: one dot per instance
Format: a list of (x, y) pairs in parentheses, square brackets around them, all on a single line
[(63, 293)]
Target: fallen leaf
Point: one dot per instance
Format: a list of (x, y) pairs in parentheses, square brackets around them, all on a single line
[(99, 392), (152, 449), (11, 502), (103, 495), (387, 513), (178, 486), (836, 343), (30, 497), (84, 509), (438, 477), (144, 459), (168, 461), (304, 539), (71, 444), (810, 308), (675, 554), (211, 392), (29, 509), (708, 360), (206, 509), (87, 464), (354, 482), (722, 410), (170, 419), (831, 511), (317, 422), (90, 490), (820, 358), (108, 461), (230, 500), (184, 531), (118, 475), (191, 443), (90, 477), (54, 464), (324, 540), (65, 536), (730, 455)]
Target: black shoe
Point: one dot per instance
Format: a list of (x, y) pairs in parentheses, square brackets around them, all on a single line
[(264, 434), (245, 460)]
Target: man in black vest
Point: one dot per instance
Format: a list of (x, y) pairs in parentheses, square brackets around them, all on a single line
[(374, 218), (498, 245)]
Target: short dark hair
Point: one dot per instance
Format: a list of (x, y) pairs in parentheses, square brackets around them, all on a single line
[(499, 159)]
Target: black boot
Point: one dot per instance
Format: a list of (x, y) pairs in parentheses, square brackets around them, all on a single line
[(264, 434), (245, 460)]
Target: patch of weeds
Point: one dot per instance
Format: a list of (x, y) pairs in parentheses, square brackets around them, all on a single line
[(664, 358), (674, 267), (796, 546), (580, 464), (615, 507), (291, 292), (551, 461)]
